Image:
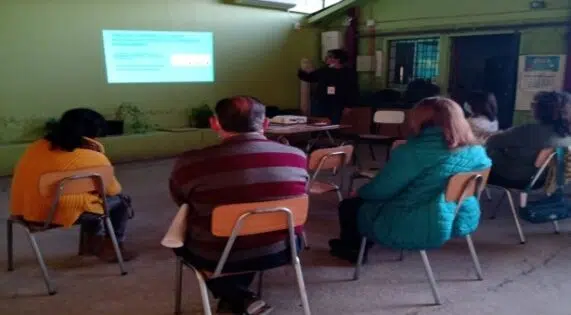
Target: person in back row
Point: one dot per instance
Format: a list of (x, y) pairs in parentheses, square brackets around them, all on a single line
[(245, 167), (482, 109), (514, 151), (337, 86), (403, 206), (417, 90), (70, 145)]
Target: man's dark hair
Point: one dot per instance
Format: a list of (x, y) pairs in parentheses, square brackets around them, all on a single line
[(240, 114), (339, 54), (419, 89), (75, 124), (553, 108)]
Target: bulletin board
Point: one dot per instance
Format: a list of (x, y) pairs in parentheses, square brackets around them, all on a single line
[(538, 73)]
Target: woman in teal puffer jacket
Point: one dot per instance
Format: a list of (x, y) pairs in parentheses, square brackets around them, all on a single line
[(404, 206)]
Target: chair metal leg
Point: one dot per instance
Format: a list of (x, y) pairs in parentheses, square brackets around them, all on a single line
[(556, 227), (474, 257), (351, 183), (488, 195), (498, 204), (339, 194), (360, 259), (430, 276), (304, 240), (372, 150), (401, 257), (260, 283), (203, 292), (178, 286), (49, 284), (81, 249), (301, 285), (113, 237), (10, 243), (515, 216)]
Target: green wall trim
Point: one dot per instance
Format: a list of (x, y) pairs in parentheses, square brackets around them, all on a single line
[(152, 145)]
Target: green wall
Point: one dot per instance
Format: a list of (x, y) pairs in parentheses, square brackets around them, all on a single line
[(440, 18), (52, 58)]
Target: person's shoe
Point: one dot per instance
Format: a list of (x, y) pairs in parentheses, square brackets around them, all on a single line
[(254, 306), (225, 308), (335, 243), (348, 255), (258, 307), (108, 254), (91, 244), (340, 249)]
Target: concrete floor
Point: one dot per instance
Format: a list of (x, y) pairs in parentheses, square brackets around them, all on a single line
[(531, 279)]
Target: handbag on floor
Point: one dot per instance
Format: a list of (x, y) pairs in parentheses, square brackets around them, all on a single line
[(554, 207)]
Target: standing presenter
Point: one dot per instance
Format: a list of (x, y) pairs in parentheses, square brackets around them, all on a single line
[(337, 85)]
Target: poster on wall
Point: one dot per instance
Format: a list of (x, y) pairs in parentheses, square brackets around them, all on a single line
[(538, 73)]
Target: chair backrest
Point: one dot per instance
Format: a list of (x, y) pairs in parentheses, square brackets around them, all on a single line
[(544, 157), (76, 181), (262, 217), (389, 117), (330, 158), (358, 118), (467, 184)]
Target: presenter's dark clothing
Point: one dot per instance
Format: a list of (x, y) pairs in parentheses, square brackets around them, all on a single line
[(336, 89)]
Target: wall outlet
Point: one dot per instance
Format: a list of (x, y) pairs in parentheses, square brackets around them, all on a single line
[(370, 22), (297, 25)]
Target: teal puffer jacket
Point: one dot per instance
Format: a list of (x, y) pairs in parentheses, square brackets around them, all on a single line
[(405, 206)]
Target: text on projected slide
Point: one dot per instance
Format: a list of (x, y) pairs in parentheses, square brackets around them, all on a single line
[(156, 57)]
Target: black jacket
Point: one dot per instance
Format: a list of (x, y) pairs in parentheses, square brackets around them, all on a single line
[(335, 87)]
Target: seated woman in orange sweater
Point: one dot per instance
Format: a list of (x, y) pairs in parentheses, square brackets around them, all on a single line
[(70, 145)]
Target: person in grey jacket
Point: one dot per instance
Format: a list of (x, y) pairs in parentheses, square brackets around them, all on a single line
[(514, 151)]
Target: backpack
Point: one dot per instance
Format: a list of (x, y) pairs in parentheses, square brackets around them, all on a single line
[(553, 207)]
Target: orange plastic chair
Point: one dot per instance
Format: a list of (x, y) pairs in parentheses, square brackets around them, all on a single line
[(372, 172), (231, 221), (460, 187), (328, 159), (542, 161), (55, 185)]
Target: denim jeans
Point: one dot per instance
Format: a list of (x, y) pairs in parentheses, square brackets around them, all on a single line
[(92, 224)]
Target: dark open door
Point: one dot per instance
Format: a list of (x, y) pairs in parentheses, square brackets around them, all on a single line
[(488, 63)]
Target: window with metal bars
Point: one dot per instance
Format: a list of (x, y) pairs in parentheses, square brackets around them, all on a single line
[(411, 59)]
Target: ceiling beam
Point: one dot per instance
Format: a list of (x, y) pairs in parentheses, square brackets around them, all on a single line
[(332, 11)]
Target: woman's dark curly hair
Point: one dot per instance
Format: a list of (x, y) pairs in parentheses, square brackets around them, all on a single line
[(553, 108)]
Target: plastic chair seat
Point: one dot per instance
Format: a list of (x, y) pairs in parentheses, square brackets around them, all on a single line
[(32, 226), (318, 188)]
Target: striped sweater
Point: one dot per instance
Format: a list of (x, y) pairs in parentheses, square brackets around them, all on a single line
[(244, 168)]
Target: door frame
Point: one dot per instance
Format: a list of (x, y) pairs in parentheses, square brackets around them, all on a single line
[(514, 79)]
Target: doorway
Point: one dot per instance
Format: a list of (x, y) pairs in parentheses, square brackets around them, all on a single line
[(487, 63)]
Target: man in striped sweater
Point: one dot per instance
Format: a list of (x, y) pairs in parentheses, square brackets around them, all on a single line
[(244, 167)]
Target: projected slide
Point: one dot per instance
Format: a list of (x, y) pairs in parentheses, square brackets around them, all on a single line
[(157, 57)]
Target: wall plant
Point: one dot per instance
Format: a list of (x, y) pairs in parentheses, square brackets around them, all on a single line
[(10, 129), (135, 120)]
